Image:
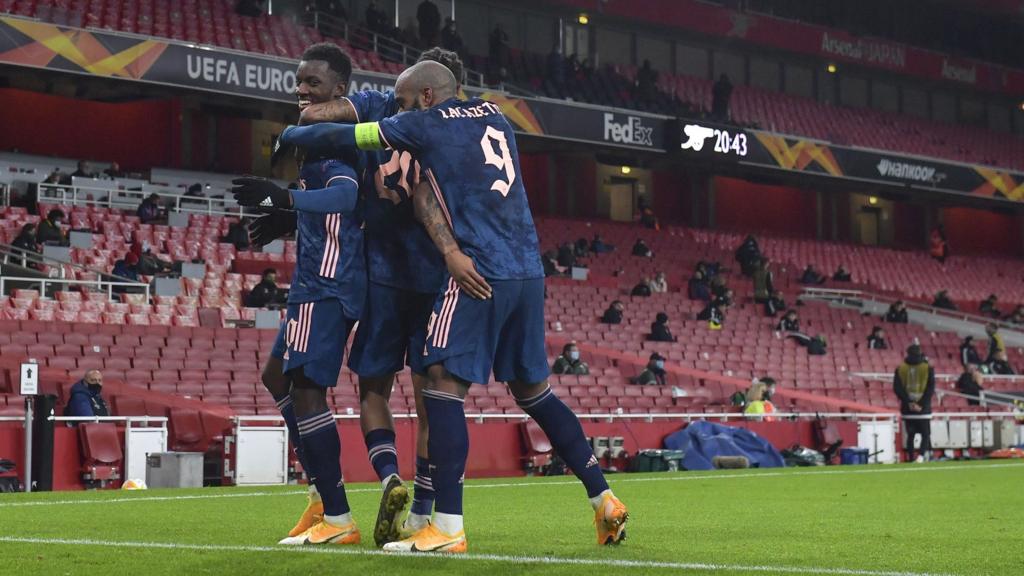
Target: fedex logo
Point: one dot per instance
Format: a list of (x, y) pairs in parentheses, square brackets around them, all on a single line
[(632, 131)]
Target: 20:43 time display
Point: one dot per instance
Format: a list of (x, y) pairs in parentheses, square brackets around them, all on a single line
[(726, 143)]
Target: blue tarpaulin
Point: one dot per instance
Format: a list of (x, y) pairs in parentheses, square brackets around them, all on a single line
[(701, 441)]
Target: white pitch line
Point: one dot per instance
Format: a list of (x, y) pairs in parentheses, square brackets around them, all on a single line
[(614, 480), (496, 558)]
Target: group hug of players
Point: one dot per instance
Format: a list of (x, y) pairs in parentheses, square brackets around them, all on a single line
[(412, 219)]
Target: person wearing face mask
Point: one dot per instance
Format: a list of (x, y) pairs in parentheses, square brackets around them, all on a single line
[(569, 362), (49, 231), (86, 398), (660, 331), (654, 373)]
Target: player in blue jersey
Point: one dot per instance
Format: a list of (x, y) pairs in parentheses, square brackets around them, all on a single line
[(490, 317), (327, 292), (406, 272)]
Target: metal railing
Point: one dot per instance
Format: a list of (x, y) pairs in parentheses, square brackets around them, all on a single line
[(99, 284), (130, 199), (646, 416), (387, 47), (854, 297)]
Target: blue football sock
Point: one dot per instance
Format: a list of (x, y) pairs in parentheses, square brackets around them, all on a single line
[(423, 489), (566, 435), (284, 404), (380, 447), (448, 446), (322, 447)]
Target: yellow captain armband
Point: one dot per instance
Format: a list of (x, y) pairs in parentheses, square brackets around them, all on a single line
[(368, 136)]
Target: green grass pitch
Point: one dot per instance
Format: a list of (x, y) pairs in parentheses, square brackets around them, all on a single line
[(914, 520)]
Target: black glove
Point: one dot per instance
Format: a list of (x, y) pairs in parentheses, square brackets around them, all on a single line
[(272, 226), (254, 191)]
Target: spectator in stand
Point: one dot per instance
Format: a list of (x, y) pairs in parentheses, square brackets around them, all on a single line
[(49, 231), (937, 245), (897, 313), (725, 300), (85, 170), (816, 346), (763, 286), (718, 287), (149, 211), (266, 294), (713, 313), (86, 398), (790, 322), (569, 362), (555, 66), (654, 373), (598, 246), (450, 38), (721, 93), (377, 19), (748, 255), (549, 259), (429, 18), (238, 235), (582, 248), (643, 288), (660, 331), (1001, 365), (498, 49), (125, 269), (811, 276), (697, 287), (988, 306), (646, 83), (114, 172), (148, 263), (968, 353), (641, 249), (774, 304), (842, 275), (995, 342), (914, 385), (613, 315), (566, 255), (1017, 317), (26, 239), (648, 219), (942, 300), (195, 191), (659, 285), (876, 340), (970, 383)]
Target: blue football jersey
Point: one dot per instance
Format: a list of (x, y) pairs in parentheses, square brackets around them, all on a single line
[(399, 253), (329, 255), (468, 153)]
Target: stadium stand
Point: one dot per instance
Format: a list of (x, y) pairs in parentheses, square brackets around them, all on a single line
[(613, 85)]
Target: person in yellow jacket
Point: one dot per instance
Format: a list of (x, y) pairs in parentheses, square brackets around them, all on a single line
[(914, 384), (759, 407)]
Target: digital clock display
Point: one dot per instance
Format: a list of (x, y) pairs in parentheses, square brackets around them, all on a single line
[(724, 142)]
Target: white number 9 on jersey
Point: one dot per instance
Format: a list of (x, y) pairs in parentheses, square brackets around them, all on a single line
[(501, 161)]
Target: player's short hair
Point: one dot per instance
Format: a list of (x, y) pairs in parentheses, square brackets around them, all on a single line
[(446, 58), (336, 58)]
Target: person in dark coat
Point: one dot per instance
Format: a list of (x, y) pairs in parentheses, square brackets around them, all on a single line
[(697, 287), (790, 322), (897, 313), (942, 300), (49, 231), (566, 255), (641, 249), (914, 385), (774, 304), (654, 373), (266, 294), (988, 306), (842, 275), (613, 315), (86, 397), (968, 353), (970, 383), (642, 289), (598, 246), (548, 259), (876, 340), (811, 276), (660, 331), (569, 362)]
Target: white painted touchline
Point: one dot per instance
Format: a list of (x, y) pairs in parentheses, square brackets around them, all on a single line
[(496, 558), (614, 480)]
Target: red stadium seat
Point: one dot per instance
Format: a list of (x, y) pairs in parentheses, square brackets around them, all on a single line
[(101, 452), (186, 431)]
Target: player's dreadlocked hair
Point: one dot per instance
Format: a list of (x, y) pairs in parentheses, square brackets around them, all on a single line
[(336, 58), (446, 58)]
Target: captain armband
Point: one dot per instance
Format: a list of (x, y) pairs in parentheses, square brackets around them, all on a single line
[(368, 136)]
